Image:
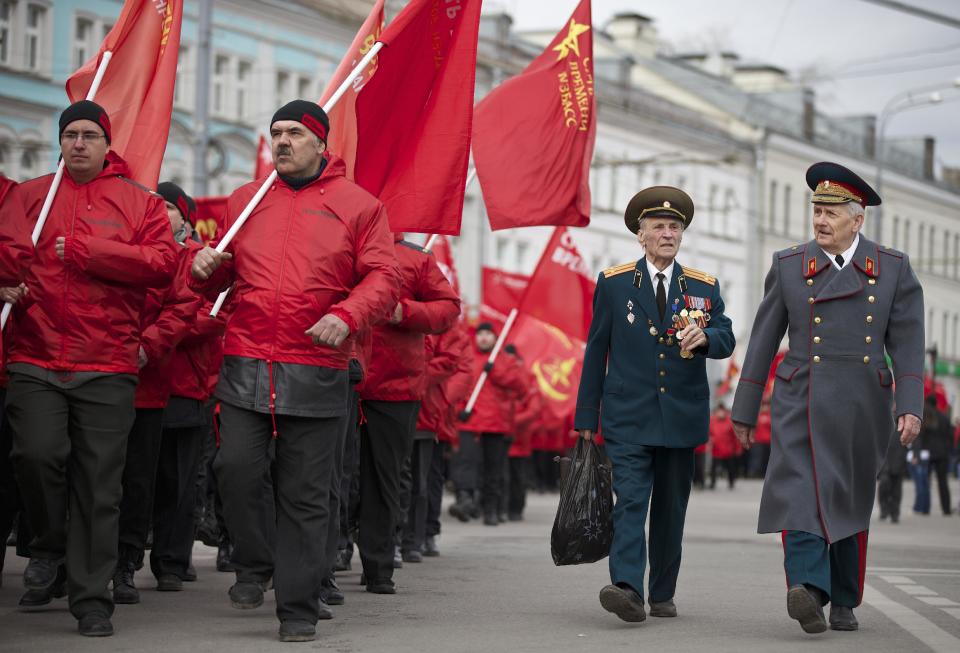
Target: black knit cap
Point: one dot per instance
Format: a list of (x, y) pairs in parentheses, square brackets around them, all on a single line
[(86, 110), (172, 193), (309, 114), (485, 326)]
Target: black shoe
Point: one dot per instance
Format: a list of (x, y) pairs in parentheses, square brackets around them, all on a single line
[(430, 549), (330, 592), (94, 624), (515, 516), (397, 558), (169, 583), (124, 591), (804, 605), (224, 551), (490, 519), (207, 530), (190, 575), (33, 599), (246, 595), (842, 618), (623, 602), (894, 519), (324, 613), (382, 587), (412, 556), (502, 517), (343, 562), (297, 631), (40, 573), (663, 608), (463, 506)]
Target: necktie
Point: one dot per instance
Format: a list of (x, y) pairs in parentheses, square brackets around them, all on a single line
[(661, 295), (839, 259)]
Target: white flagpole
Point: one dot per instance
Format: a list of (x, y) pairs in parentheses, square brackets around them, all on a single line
[(465, 415), (430, 241), (217, 305), (57, 178), (272, 177)]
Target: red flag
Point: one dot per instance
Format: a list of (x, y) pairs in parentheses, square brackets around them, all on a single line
[(264, 164), (210, 214), (733, 370), (554, 319), (342, 139), (414, 116), (533, 135), (502, 292), (137, 89), (444, 257)]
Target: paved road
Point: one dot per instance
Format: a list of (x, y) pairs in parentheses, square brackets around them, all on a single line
[(496, 589)]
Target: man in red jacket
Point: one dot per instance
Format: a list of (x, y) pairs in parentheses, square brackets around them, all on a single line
[(313, 265), (483, 440), (73, 359), (167, 317), (390, 397)]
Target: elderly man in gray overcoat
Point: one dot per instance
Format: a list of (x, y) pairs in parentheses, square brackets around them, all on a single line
[(845, 302)]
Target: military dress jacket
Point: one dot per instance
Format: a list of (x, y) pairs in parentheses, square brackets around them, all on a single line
[(833, 396), (634, 381)]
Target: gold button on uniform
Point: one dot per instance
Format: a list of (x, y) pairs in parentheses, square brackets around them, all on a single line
[(662, 356), (816, 340), (872, 282), (866, 359), (809, 282), (817, 320), (809, 300), (868, 339), (871, 299), (662, 373), (816, 359), (869, 319), (660, 340), (662, 389)]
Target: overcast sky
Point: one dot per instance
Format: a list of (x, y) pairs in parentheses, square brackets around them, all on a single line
[(862, 53)]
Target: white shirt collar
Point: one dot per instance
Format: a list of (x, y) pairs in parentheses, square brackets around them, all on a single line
[(847, 255), (667, 274)]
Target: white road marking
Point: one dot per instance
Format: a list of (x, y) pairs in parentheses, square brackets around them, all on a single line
[(953, 612), (896, 580), (913, 622), (939, 601), (913, 571), (916, 590)]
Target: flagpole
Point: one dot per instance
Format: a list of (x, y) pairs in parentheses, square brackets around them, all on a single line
[(217, 305), (430, 241), (272, 177), (465, 414), (57, 178)]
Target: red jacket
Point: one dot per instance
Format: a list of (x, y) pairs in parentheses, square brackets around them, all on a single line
[(529, 413), (326, 248), (493, 411), (83, 313), (443, 353), (167, 318), (762, 433), (15, 251), (458, 386), (198, 355), (723, 441), (396, 366)]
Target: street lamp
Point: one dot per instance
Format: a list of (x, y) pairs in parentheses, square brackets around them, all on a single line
[(904, 101)]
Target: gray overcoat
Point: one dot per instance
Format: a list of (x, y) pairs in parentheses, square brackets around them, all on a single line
[(833, 397)]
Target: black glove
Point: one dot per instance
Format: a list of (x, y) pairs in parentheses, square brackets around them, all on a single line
[(463, 416), (487, 367)]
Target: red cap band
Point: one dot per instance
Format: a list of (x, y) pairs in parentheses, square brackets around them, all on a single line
[(314, 125)]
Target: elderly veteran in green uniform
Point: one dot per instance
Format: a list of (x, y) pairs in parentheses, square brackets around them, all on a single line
[(845, 302), (644, 381)]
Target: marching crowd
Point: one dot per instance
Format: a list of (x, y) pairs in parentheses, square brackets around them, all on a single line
[(318, 410)]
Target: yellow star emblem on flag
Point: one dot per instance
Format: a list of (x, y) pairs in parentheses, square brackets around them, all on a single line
[(571, 41)]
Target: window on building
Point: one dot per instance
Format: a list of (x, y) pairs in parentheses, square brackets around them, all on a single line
[(920, 241), (787, 191), (82, 40), (772, 215), (522, 248), (956, 256), (30, 162), (34, 32), (221, 64), (713, 209), (946, 253), (896, 231), (501, 251), (729, 204), (106, 30), (7, 8), (180, 88), (283, 84), (942, 345), (906, 236), (931, 253), (244, 78), (953, 340), (303, 89)]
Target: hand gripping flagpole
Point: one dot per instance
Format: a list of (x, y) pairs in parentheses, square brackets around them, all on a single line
[(272, 177), (465, 414), (57, 178)]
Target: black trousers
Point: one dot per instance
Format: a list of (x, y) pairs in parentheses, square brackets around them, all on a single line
[(435, 482), (385, 442), (350, 479), (9, 496), (941, 467), (139, 480), (518, 485), (337, 496), (699, 469), (69, 446), (494, 447), (890, 493), (175, 500), (421, 460), (466, 463), (305, 454), (729, 464)]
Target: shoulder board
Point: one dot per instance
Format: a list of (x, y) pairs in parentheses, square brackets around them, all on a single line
[(791, 251), (414, 246), (691, 273), (618, 269), (889, 251), (138, 185)]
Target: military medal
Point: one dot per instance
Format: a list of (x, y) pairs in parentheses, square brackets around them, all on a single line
[(630, 318), (653, 331), (686, 354)]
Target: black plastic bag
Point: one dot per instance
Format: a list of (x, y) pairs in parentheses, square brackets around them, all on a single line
[(583, 528)]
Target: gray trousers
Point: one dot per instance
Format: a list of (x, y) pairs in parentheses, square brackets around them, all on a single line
[(69, 446), (305, 457)]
